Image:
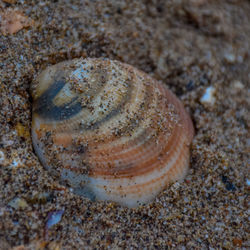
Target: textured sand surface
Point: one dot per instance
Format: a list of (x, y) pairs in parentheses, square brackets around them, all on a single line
[(201, 50)]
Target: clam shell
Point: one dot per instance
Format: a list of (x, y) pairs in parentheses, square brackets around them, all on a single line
[(109, 131)]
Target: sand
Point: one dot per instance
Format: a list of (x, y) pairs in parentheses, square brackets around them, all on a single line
[(201, 50)]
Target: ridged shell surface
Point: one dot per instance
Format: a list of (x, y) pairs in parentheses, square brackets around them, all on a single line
[(109, 131)]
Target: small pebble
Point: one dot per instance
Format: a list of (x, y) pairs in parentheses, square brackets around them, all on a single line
[(208, 96), (229, 57), (2, 157), (238, 85), (53, 218), (18, 203), (16, 162), (248, 182)]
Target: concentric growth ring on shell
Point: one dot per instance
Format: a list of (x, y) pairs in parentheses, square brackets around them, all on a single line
[(109, 130)]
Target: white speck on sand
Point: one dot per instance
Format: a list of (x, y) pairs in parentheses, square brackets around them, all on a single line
[(208, 96)]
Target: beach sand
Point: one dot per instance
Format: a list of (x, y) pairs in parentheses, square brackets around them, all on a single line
[(201, 51)]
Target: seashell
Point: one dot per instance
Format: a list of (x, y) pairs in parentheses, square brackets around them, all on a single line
[(109, 131)]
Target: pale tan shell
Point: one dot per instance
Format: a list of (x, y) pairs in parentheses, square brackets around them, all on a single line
[(109, 130)]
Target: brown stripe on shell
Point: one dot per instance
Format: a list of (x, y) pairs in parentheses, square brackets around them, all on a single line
[(174, 172), (126, 162), (138, 166)]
